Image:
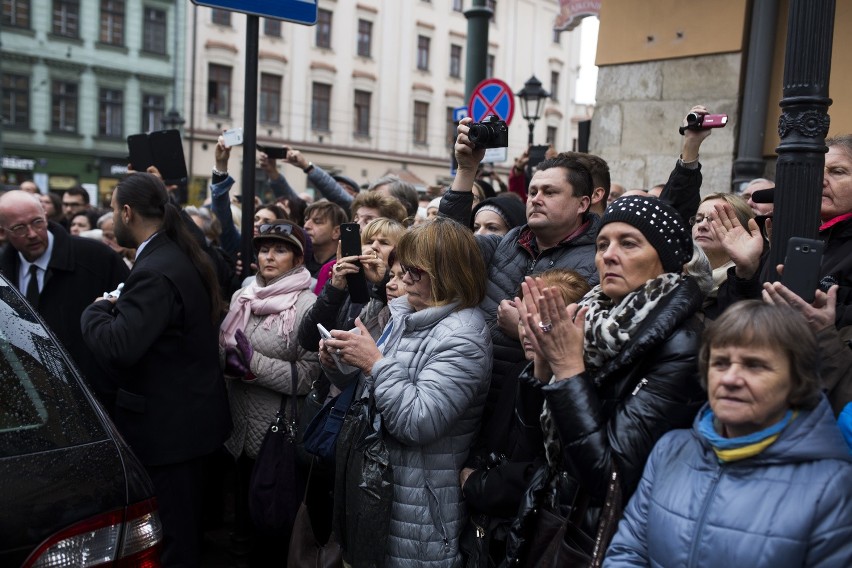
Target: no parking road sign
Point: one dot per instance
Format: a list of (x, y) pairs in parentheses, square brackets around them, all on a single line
[(492, 96)]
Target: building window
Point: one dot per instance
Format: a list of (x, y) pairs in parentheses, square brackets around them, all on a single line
[(221, 17), (557, 36), (421, 122), (66, 18), (362, 113), (16, 101), (270, 98), (493, 5), (458, 5), (551, 135), (154, 31), (451, 133), (455, 60), (219, 90), (489, 66), (63, 106), (554, 85), (110, 113), (321, 107), (365, 37), (272, 27), (112, 22), (16, 13), (423, 53), (323, 33), (153, 108)]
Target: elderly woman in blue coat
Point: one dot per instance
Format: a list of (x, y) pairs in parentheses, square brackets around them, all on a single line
[(764, 477), (429, 374)]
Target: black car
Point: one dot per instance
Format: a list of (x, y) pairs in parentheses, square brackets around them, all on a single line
[(73, 493)]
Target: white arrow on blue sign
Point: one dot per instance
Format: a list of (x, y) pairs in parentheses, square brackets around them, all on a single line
[(297, 11)]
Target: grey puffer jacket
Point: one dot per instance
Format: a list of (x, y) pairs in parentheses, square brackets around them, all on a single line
[(430, 388), (790, 505), (254, 403)]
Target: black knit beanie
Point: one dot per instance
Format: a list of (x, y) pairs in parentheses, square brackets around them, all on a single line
[(660, 223)]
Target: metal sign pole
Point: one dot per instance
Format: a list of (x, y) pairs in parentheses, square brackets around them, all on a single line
[(249, 141)]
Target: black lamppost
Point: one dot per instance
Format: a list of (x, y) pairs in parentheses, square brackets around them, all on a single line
[(172, 120), (532, 100)]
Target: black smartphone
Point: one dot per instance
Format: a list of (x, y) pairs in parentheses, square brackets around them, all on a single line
[(139, 148), (802, 267), (536, 156), (274, 152), (167, 150), (162, 149), (350, 245)]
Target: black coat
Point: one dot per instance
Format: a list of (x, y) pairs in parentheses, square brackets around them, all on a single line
[(619, 413), (171, 403), (79, 271), (837, 267)]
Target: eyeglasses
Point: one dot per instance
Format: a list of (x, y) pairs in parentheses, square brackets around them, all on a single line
[(22, 229), (275, 229), (415, 273), (72, 205), (698, 219)]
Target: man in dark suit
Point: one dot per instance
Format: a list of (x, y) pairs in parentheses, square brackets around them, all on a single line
[(162, 332), (69, 273)]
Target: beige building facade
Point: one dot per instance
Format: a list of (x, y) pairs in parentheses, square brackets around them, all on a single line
[(371, 88), (659, 58)]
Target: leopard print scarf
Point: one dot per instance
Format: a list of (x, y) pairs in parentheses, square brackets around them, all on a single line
[(609, 326)]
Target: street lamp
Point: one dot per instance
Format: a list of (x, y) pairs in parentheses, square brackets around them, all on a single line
[(172, 120), (532, 99)]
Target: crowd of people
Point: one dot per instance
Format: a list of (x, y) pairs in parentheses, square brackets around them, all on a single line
[(550, 371)]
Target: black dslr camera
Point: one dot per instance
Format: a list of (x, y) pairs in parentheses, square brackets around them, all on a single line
[(490, 133)]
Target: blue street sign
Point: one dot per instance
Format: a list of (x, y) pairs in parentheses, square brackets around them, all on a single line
[(492, 96), (297, 11), (459, 113)]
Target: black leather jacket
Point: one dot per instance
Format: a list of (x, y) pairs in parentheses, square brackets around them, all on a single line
[(619, 413)]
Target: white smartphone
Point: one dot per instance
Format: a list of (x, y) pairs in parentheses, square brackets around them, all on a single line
[(341, 366), (233, 137)]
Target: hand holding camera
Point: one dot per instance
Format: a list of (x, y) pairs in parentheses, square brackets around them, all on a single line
[(468, 155), (699, 119)]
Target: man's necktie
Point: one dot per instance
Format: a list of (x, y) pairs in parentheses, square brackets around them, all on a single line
[(32, 287)]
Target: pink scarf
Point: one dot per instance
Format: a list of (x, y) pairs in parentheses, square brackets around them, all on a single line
[(276, 300)]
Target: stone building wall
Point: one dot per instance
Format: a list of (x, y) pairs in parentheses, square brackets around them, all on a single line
[(639, 107)]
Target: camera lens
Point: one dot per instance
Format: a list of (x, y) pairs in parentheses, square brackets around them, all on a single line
[(806, 248), (693, 118)]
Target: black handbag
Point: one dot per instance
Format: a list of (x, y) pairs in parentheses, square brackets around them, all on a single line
[(305, 550), (363, 487), (320, 437), (559, 540), (274, 488)]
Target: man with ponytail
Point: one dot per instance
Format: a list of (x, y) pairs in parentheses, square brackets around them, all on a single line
[(161, 333)]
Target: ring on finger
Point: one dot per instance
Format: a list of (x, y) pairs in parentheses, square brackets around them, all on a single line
[(338, 351), (545, 327)]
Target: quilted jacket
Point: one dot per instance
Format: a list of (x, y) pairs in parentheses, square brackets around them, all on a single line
[(430, 388), (254, 403), (791, 505)]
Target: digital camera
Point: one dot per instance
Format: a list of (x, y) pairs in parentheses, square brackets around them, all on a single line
[(696, 121), (490, 133)]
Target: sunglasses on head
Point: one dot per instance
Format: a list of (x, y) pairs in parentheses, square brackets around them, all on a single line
[(275, 229), (415, 273)]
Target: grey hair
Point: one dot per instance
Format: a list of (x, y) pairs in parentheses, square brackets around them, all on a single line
[(401, 190), (699, 268), (103, 219)]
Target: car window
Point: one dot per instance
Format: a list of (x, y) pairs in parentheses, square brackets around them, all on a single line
[(42, 405)]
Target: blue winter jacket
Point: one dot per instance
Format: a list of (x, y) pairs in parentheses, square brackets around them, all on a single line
[(791, 505)]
